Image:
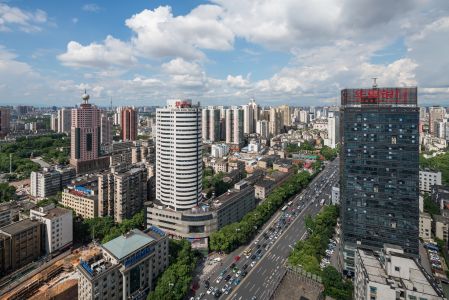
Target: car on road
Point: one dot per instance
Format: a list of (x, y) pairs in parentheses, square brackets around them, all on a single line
[(227, 277), (219, 279), (207, 284), (245, 266), (232, 266), (210, 290), (253, 264), (253, 257), (244, 273), (237, 281)]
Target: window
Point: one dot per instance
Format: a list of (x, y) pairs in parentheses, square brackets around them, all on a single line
[(397, 269)]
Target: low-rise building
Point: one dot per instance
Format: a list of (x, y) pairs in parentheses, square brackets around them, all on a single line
[(236, 165), (20, 244), (262, 188), (392, 275), (9, 212), (220, 165), (83, 200), (335, 195), (58, 224), (200, 221), (427, 179), (283, 165), (425, 226), (440, 196), (441, 227), (127, 267), (219, 150)]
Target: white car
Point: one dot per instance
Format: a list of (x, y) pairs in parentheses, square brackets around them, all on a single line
[(209, 290), (253, 263), (219, 279)]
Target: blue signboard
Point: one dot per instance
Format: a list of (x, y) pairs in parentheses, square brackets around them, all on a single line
[(138, 256), (86, 267)]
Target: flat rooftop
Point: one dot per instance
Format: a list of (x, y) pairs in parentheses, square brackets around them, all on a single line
[(417, 280), (57, 212), (128, 243), (18, 227)]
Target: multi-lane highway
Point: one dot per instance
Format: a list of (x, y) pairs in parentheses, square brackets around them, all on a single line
[(255, 275)]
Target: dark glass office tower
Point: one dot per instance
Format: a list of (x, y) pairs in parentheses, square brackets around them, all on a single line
[(379, 169)]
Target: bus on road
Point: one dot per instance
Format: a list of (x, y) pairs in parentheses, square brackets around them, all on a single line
[(284, 208), (290, 203)]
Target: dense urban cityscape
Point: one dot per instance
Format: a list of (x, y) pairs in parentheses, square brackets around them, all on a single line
[(242, 189)]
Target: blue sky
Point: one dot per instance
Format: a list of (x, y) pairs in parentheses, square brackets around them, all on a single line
[(219, 52)]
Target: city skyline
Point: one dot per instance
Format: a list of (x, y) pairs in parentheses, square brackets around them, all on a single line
[(211, 51)]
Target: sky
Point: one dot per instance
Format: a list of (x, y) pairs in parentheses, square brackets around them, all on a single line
[(220, 52)]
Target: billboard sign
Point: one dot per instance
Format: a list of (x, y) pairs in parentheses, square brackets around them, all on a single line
[(380, 97)]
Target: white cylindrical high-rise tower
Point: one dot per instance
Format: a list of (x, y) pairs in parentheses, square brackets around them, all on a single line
[(179, 155)]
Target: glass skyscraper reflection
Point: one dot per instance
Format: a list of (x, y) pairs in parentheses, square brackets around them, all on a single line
[(379, 170)]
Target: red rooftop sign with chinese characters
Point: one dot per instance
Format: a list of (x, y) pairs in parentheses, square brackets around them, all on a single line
[(380, 96), (182, 104)]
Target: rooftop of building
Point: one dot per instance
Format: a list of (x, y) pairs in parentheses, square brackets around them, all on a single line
[(212, 204), (7, 206), (441, 218), (425, 215), (54, 212), (418, 280), (264, 183), (19, 226), (429, 170), (127, 243)]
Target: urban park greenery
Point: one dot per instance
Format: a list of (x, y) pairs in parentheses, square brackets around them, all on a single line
[(54, 148), (239, 233)]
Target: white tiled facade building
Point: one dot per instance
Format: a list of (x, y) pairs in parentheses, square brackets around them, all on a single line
[(58, 223), (392, 275), (425, 226), (427, 179)]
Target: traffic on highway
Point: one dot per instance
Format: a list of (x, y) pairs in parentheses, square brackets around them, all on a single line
[(254, 273)]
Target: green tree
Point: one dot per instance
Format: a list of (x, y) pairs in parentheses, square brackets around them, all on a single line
[(335, 285), (233, 235), (430, 206), (175, 282), (438, 163), (7, 192), (328, 153)]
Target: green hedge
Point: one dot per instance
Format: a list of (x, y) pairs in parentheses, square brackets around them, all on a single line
[(236, 234)]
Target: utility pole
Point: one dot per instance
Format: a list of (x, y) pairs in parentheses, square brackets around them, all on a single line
[(10, 163)]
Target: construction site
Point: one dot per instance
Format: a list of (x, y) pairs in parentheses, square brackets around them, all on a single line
[(55, 279)]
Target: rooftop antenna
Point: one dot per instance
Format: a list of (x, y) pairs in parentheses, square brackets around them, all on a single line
[(374, 82), (111, 103), (85, 97)]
